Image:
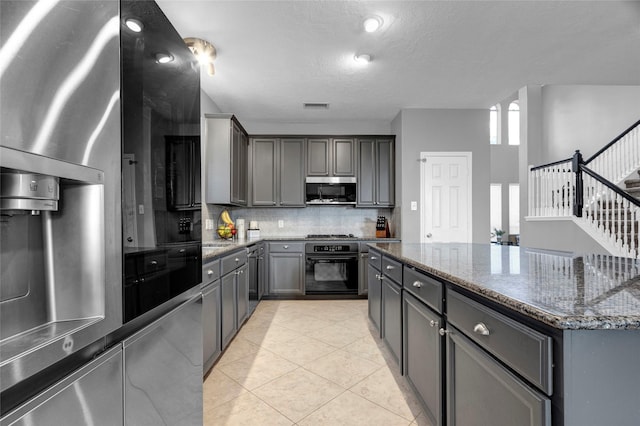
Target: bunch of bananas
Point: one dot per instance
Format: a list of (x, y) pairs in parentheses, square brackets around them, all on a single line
[(226, 229)]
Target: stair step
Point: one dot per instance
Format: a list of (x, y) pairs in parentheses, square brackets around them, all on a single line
[(634, 191), (632, 183)]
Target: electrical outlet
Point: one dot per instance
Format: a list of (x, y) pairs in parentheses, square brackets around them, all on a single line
[(414, 205), (281, 224)]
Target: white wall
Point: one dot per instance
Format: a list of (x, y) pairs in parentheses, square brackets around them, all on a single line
[(444, 130), (585, 118), (207, 106)]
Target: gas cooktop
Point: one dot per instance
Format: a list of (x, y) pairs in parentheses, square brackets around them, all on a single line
[(318, 236)]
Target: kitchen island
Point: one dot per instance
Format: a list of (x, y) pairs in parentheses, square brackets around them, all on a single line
[(511, 335)]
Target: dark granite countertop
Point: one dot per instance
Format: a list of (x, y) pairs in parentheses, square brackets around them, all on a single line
[(564, 290), (217, 248)]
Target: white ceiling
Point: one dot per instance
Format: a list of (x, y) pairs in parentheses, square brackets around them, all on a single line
[(275, 55)]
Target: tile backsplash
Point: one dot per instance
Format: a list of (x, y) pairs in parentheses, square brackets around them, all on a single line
[(302, 221)]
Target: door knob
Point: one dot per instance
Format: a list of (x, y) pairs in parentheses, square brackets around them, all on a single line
[(429, 235)]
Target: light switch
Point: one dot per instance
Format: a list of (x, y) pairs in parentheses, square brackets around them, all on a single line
[(208, 224), (140, 208), (414, 205), (281, 224)]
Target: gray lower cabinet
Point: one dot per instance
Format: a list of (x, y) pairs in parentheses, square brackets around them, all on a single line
[(422, 352), (242, 289), (229, 308), (286, 268), (363, 276), (163, 370), (480, 391), (392, 317), (374, 296), (211, 322), (234, 292), (92, 395), (278, 172)]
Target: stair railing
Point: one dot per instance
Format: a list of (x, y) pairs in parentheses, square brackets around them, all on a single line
[(551, 189), (620, 157), (588, 190), (609, 210)]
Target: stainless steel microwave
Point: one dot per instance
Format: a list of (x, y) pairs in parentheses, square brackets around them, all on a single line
[(330, 190)]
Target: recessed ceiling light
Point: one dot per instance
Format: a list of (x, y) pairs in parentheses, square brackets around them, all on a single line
[(134, 25), (362, 59), (163, 58), (372, 24)]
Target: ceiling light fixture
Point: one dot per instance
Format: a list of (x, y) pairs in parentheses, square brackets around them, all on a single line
[(134, 25), (362, 59), (163, 58), (372, 24), (204, 51)]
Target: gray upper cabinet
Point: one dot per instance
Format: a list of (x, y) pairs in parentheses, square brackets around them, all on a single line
[(278, 171), (376, 172), (331, 157), (226, 147)]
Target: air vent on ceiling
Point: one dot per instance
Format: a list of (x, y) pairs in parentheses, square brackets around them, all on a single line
[(315, 105)]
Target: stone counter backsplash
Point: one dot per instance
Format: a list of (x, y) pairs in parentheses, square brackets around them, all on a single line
[(302, 221)]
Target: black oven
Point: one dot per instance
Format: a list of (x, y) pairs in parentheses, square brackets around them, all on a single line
[(331, 268)]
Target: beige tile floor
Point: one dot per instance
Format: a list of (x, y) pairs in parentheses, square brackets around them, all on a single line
[(308, 362)]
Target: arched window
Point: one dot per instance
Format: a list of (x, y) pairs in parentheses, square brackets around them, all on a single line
[(514, 123), (494, 125)]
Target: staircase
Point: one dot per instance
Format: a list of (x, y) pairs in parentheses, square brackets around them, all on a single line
[(633, 186), (590, 193)]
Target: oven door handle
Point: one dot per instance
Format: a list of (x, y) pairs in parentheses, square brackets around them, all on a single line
[(332, 257)]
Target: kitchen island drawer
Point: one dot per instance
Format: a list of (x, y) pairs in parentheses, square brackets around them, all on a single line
[(286, 247), (232, 261), (210, 271), (392, 268), (522, 348), (375, 259), (425, 288)]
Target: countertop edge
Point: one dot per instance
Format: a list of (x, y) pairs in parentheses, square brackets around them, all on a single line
[(569, 322)]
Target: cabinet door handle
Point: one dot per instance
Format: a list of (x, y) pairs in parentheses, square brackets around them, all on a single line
[(417, 284), (443, 332), (380, 277), (210, 273), (239, 272), (433, 323), (181, 251), (481, 329), (373, 258), (237, 260), (153, 263), (285, 247), (389, 267)]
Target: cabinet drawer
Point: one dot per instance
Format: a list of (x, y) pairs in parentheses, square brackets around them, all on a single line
[(524, 349), (210, 271), (425, 288), (392, 269), (375, 259), (233, 261), (152, 262), (286, 247)]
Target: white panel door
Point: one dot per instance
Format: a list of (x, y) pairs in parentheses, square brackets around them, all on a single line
[(446, 197)]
